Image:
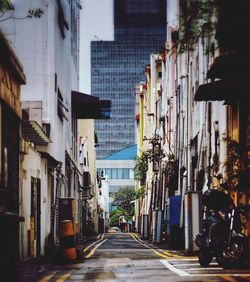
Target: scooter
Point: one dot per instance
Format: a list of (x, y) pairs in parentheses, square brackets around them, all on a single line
[(221, 235)]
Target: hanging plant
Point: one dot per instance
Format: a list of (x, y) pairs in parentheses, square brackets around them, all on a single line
[(196, 20), (233, 164), (140, 193), (3, 5), (141, 167), (169, 166)]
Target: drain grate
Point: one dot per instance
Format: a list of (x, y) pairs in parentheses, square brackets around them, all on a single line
[(99, 275)]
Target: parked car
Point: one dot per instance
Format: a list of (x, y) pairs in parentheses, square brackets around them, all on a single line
[(114, 229)]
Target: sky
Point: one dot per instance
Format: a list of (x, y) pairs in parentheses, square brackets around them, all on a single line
[(96, 24)]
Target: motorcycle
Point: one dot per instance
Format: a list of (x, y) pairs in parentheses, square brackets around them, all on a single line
[(221, 236)]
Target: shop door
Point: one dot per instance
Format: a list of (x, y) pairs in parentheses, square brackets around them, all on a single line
[(35, 218), (38, 217)]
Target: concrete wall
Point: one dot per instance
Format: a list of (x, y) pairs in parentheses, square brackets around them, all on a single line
[(49, 67), (33, 166)]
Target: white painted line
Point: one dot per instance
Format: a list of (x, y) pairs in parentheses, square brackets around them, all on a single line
[(221, 274), (216, 266), (205, 268), (181, 272), (174, 269), (183, 264), (174, 260)]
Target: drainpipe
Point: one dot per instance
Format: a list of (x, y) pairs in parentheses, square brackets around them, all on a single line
[(189, 124), (209, 143), (141, 119)]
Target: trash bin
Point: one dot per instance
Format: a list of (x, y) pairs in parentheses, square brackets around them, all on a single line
[(67, 240)]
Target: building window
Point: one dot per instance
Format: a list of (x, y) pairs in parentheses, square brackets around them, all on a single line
[(120, 170), (114, 173), (75, 6), (108, 172), (131, 173), (61, 108), (118, 173), (141, 7), (125, 174)]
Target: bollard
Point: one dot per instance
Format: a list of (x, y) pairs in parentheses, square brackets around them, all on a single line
[(67, 239)]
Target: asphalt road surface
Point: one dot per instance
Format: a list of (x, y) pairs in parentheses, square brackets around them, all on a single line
[(125, 257)]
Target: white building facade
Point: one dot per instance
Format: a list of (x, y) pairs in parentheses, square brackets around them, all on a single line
[(45, 37)]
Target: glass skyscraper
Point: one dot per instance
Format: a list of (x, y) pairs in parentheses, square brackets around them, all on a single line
[(116, 67)]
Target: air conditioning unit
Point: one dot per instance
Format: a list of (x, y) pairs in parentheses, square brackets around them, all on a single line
[(23, 146)]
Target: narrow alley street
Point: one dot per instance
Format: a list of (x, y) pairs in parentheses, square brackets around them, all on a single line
[(124, 140), (125, 257)]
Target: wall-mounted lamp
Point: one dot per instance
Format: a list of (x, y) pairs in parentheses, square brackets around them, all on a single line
[(216, 126)]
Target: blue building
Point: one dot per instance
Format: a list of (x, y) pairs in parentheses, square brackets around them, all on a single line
[(116, 67), (119, 168)]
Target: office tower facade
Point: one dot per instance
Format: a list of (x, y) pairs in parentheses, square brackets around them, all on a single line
[(116, 67)]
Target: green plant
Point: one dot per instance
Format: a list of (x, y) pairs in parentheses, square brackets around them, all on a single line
[(233, 164), (123, 198), (196, 20), (114, 216), (169, 166), (3, 5), (140, 192), (141, 167)]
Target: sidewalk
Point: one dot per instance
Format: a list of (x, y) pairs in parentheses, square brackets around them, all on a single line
[(32, 270)]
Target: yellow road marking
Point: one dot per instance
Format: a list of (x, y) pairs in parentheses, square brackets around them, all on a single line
[(141, 242), (94, 249), (159, 254), (132, 235), (89, 246), (48, 277), (169, 254), (101, 234), (63, 277), (174, 255), (227, 278)]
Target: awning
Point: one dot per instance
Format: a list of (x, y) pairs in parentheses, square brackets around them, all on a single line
[(230, 66), (33, 132), (105, 106), (87, 106), (52, 161), (223, 90)]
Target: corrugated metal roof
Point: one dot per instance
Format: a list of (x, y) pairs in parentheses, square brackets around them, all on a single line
[(33, 132), (128, 153)]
